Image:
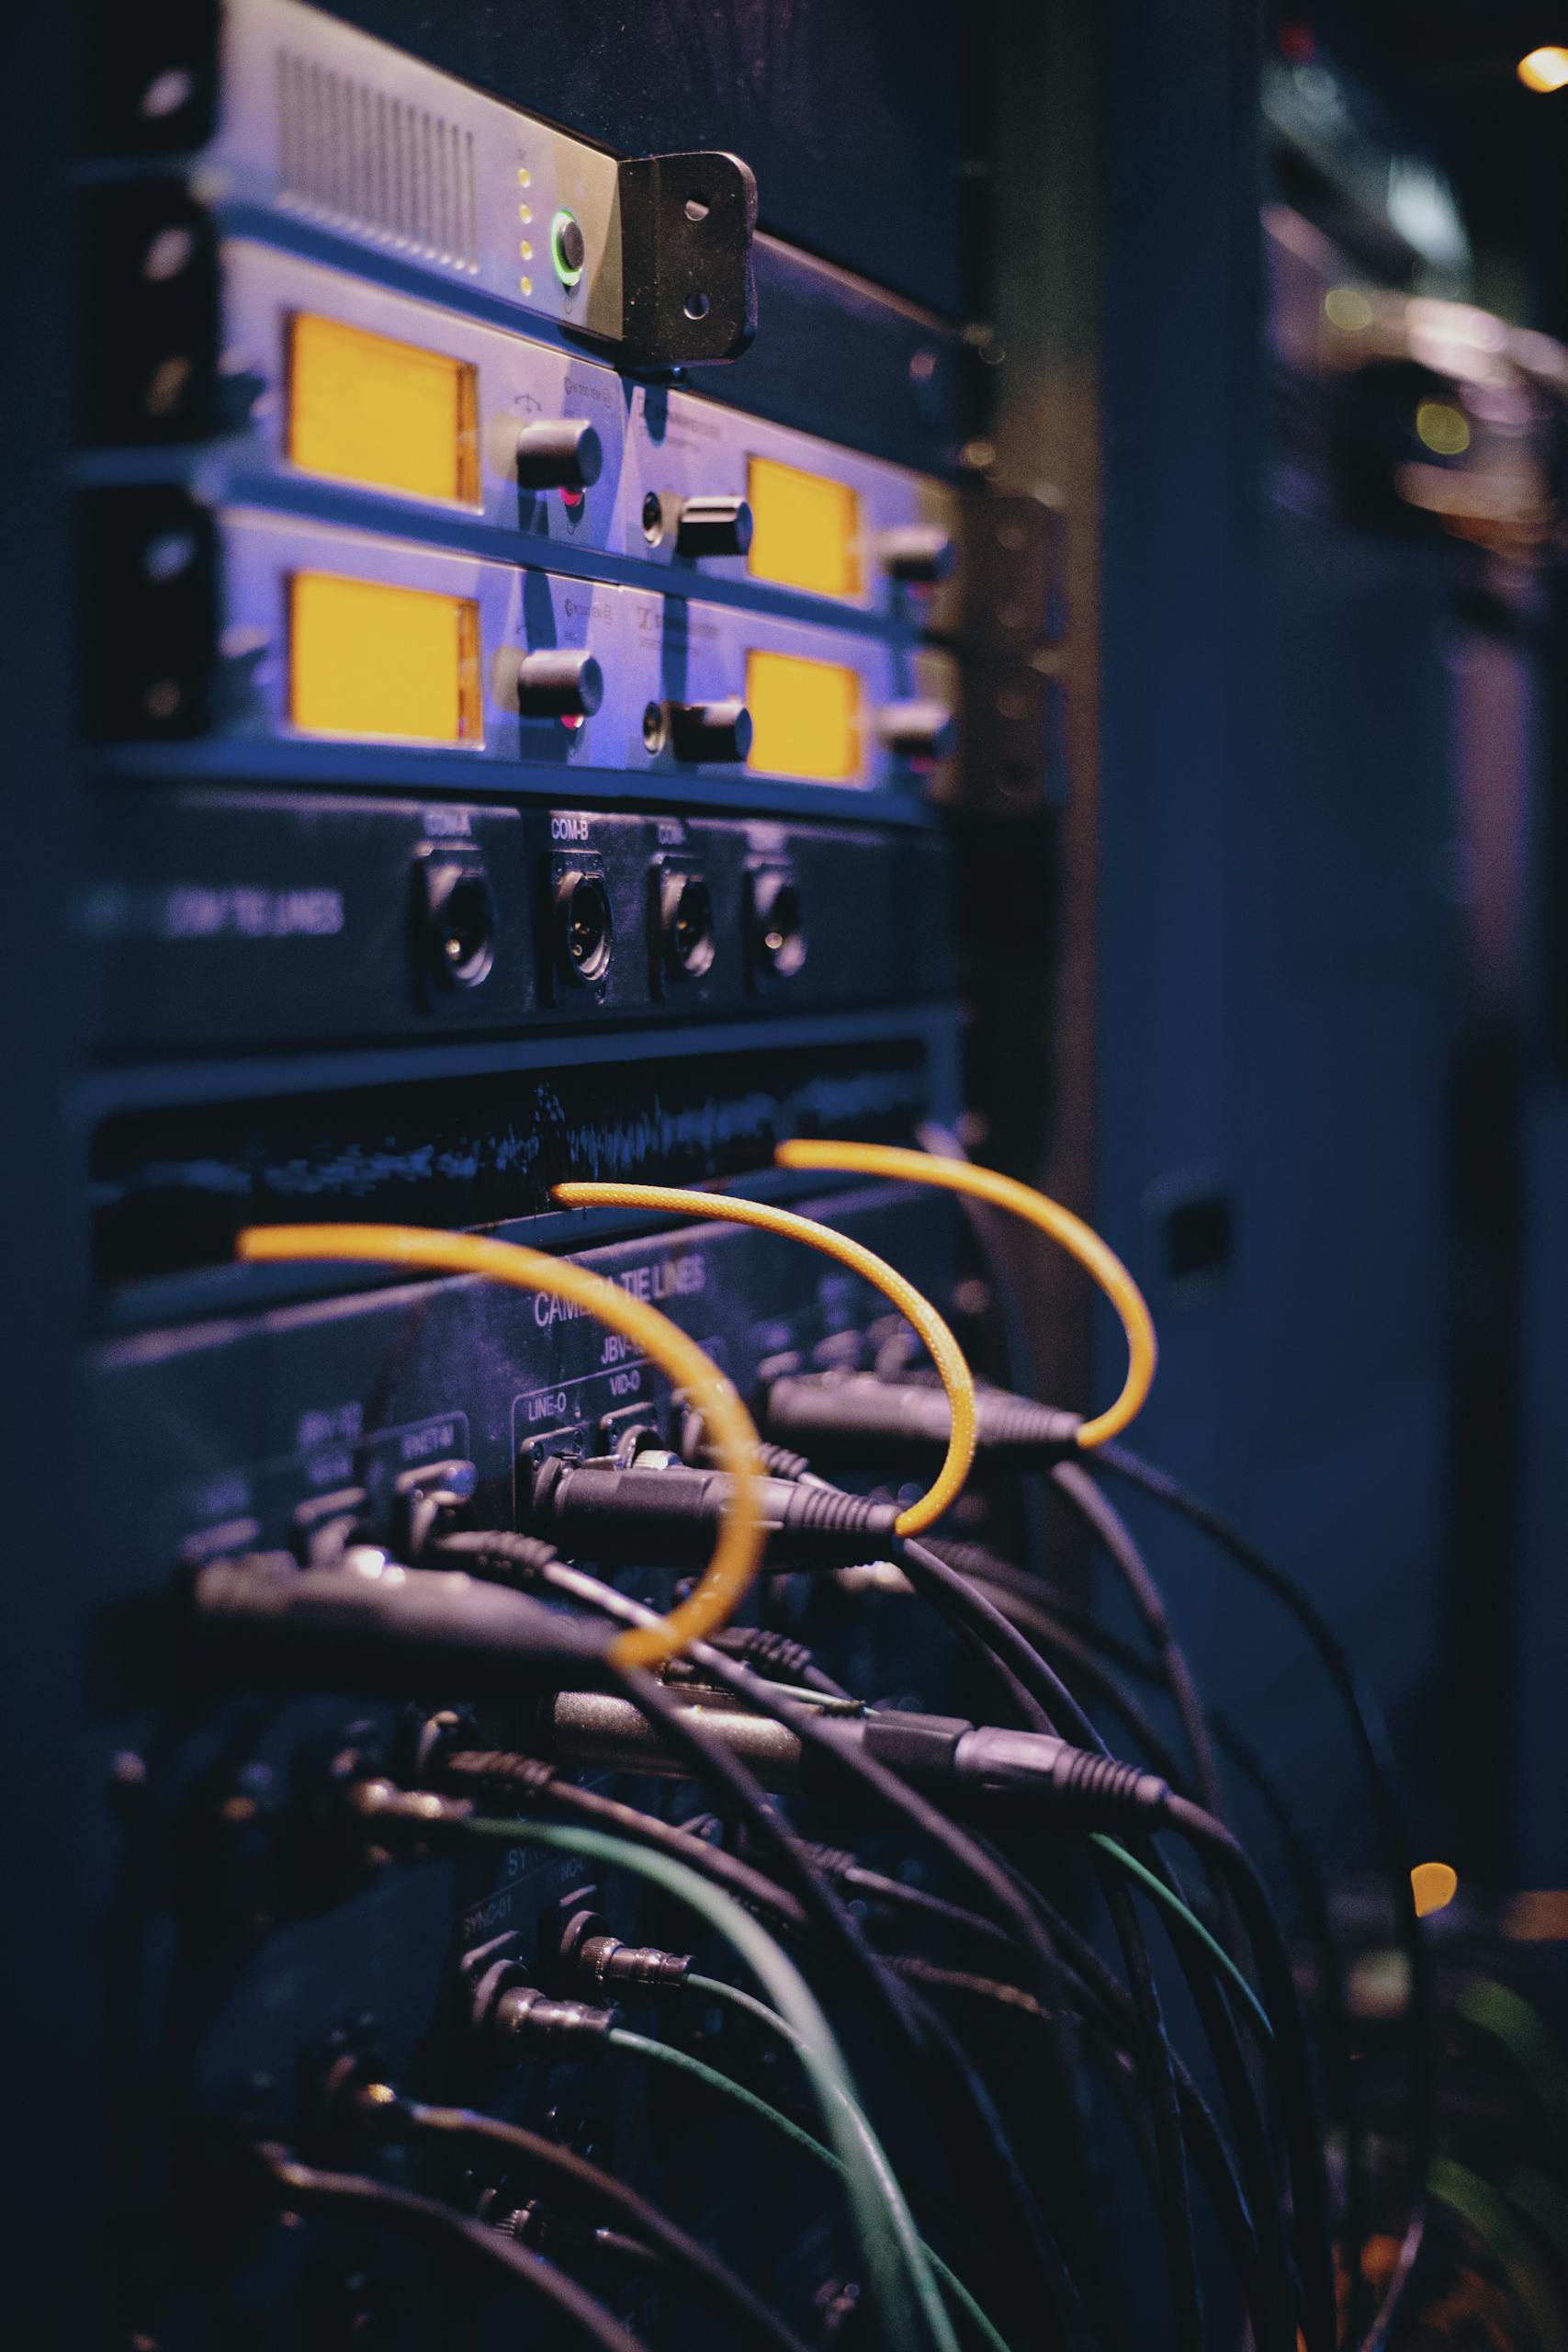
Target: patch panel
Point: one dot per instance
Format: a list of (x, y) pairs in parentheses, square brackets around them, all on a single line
[(332, 1397), (252, 920)]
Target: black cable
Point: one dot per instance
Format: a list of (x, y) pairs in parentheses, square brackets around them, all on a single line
[(1071, 1480), (710, 2280), (1311, 1892), (1308, 1880), (1174, 2196), (1275, 2322), (679, 1727), (1272, 2298), (719, 1769), (1211, 2154), (1057, 1709), (1053, 1706), (1009, 2174), (876, 1887), (1303, 2137), (1106, 1996), (778, 1656), (1069, 1650), (305, 2187), (971, 1859), (715, 1767), (529, 1777), (929, 1573), (1371, 1746)]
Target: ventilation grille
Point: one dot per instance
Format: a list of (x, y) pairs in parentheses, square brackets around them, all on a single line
[(351, 155)]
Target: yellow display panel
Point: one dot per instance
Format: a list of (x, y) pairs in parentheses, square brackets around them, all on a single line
[(806, 718), (364, 409), (365, 658), (805, 530)]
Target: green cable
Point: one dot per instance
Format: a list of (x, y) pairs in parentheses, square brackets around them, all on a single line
[(783, 1983), (1518, 2026), (898, 2214), (666, 2054), (1190, 1919), (1527, 2277)]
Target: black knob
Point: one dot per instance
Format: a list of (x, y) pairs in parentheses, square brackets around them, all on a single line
[(560, 453), (710, 731), (712, 526), (920, 554), (560, 684), (917, 731)]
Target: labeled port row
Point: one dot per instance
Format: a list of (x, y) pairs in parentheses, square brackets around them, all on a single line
[(246, 627), (224, 917)]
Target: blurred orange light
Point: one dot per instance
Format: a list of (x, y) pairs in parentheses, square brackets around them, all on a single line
[(1434, 1886), (1539, 1916), (1545, 69)]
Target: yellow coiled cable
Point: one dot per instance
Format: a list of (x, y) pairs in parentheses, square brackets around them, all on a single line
[(738, 1553), (1038, 1209), (944, 1349)]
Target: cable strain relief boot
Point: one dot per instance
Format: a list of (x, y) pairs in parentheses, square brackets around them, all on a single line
[(833, 1861), (765, 1647), (817, 1517), (1093, 1789), (1018, 1425), (497, 1553), (508, 1773), (697, 1451), (1106, 1788)]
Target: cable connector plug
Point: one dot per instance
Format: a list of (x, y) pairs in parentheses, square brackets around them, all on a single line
[(417, 1810), (589, 1949), (521, 1778), (510, 2014), (496, 1553), (698, 1452), (668, 1518), (857, 1415), (382, 1628), (1027, 1763)]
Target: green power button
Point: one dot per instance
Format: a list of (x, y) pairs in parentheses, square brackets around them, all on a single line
[(568, 249)]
